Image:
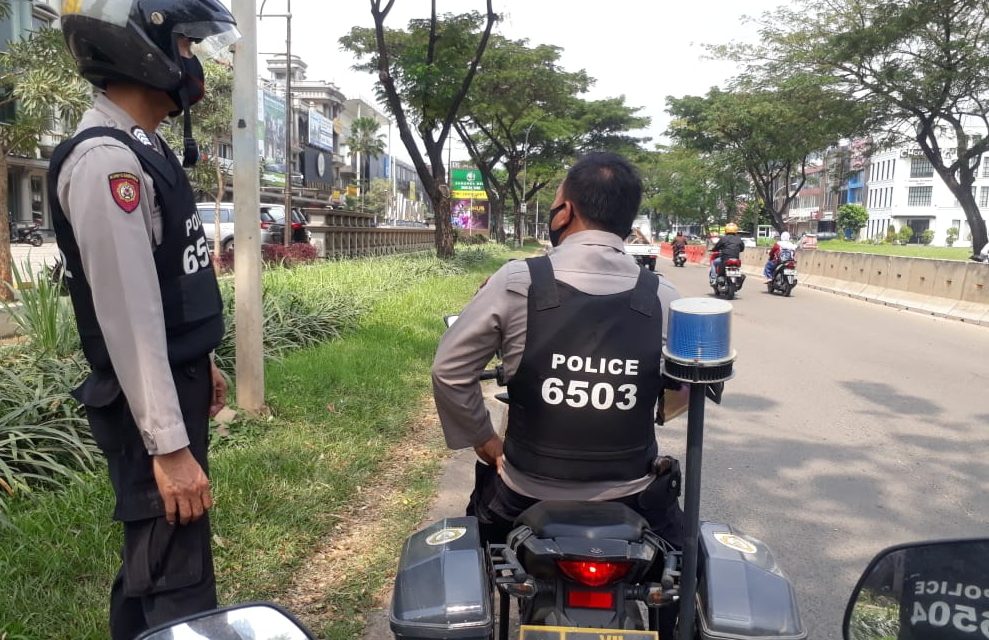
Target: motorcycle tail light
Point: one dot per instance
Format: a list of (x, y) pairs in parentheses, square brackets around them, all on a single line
[(296, 225), (265, 225), (594, 574), (791, 265), (591, 599), (731, 262)]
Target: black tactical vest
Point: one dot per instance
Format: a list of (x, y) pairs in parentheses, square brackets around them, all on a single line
[(190, 295), (583, 400)]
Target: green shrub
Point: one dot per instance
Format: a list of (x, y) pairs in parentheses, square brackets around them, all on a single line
[(905, 234), (952, 236), (44, 315), (44, 437), (927, 236), (891, 236)]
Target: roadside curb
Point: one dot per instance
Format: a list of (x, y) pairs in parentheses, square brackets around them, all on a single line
[(923, 305)]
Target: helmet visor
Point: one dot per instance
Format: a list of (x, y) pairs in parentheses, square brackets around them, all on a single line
[(209, 38), (115, 12)]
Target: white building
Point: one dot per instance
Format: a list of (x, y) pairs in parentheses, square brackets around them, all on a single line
[(904, 189)]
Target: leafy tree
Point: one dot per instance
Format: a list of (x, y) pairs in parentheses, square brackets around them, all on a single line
[(852, 216), (39, 90), (424, 74), (378, 197), (905, 234), (773, 133), (520, 102), (921, 67), (366, 142)]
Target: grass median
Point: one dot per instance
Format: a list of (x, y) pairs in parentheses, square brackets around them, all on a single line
[(904, 251), (343, 411)]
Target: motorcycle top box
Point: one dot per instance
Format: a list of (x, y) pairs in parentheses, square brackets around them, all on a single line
[(442, 590), (742, 593)]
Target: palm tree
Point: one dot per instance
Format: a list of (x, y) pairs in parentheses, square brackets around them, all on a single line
[(365, 143)]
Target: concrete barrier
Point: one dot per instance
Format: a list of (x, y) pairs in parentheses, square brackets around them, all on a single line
[(945, 288)]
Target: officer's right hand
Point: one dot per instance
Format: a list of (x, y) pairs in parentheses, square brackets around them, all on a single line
[(183, 486), (492, 452)]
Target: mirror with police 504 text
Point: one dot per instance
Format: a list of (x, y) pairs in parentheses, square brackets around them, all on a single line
[(252, 622), (930, 591)]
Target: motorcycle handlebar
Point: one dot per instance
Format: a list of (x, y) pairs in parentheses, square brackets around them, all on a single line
[(489, 375)]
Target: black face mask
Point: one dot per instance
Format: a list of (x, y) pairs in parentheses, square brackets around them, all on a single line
[(555, 234)]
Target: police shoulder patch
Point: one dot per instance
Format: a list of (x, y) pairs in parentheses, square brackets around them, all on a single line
[(125, 188)]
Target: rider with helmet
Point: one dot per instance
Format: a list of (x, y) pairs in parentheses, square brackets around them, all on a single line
[(783, 249), (146, 299), (728, 247)]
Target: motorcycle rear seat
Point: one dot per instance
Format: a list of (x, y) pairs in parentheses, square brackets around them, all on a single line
[(591, 520)]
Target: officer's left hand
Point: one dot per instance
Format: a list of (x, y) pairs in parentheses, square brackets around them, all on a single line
[(218, 399)]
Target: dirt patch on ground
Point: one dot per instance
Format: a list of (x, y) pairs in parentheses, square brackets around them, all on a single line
[(360, 553)]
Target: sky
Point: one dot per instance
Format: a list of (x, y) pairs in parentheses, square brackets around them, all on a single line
[(643, 49)]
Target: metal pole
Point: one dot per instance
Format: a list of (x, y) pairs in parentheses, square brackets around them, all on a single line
[(247, 249), (290, 124), (691, 512)]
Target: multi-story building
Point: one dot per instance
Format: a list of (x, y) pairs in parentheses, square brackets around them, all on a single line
[(27, 175), (316, 129), (904, 190)]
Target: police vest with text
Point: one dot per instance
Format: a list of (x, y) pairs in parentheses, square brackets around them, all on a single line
[(584, 397), (190, 296)]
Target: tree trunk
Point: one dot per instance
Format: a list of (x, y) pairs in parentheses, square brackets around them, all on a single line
[(6, 260), (444, 226), (497, 226)]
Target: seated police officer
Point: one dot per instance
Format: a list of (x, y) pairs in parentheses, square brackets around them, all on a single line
[(146, 299), (581, 331)]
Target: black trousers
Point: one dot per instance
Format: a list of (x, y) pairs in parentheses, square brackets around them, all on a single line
[(166, 570)]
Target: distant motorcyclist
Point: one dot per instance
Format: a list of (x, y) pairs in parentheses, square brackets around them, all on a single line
[(679, 242), (729, 247), (782, 250)]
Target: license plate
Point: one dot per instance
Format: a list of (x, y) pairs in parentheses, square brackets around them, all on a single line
[(733, 273), (571, 633), (789, 272)]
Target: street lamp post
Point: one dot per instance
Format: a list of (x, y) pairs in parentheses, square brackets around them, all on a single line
[(289, 117), (525, 180)]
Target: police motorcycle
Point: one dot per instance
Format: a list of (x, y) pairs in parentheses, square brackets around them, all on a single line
[(923, 591), (595, 569), (729, 278), (784, 277), (27, 234)]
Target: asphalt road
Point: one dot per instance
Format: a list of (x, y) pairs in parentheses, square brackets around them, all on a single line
[(849, 427)]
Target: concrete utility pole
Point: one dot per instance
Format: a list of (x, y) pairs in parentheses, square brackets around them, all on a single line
[(247, 248), (290, 124)]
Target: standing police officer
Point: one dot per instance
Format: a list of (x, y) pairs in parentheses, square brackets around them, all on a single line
[(582, 333), (145, 295)]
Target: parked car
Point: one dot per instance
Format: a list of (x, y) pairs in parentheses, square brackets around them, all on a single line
[(826, 235), (207, 213), (268, 217), (748, 241), (274, 216)]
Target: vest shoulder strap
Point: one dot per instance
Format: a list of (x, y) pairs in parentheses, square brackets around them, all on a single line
[(644, 298), (544, 292), (143, 152)]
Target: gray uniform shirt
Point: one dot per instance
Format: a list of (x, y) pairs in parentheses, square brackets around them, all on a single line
[(118, 259), (593, 262)]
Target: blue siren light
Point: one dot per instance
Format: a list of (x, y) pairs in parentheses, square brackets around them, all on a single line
[(698, 345)]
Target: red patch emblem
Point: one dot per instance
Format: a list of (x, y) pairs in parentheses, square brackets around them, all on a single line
[(126, 191)]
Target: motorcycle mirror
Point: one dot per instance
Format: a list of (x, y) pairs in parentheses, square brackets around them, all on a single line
[(922, 591), (449, 320), (257, 621)]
